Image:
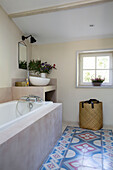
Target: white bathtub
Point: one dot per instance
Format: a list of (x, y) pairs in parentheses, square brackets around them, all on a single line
[(25, 141), (13, 111)]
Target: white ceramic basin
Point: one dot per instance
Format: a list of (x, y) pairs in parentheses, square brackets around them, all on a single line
[(38, 81)]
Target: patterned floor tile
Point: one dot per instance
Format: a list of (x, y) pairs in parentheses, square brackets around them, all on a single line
[(64, 142), (97, 155), (107, 164), (75, 163), (84, 148), (56, 156), (70, 154), (81, 149), (50, 165), (93, 162), (61, 148), (87, 136), (75, 140), (97, 143)]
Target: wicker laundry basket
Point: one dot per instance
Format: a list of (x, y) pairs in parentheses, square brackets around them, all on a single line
[(91, 114)]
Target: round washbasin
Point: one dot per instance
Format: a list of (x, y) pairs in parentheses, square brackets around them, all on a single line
[(38, 81)]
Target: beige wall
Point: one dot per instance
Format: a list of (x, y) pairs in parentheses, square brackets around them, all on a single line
[(64, 56), (10, 35)]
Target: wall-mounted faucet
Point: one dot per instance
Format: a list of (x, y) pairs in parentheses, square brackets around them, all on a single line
[(31, 98), (38, 99)]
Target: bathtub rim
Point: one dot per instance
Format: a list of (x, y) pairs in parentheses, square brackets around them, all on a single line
[(4, 126), (17, 127)]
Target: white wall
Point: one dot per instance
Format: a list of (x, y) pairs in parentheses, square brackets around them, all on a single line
[(64, 56), (10, 35)]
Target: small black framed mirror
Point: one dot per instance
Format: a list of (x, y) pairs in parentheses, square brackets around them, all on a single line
[(22, 55)]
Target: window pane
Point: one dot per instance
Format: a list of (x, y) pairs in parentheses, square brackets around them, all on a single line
[(88, 75), (88, 62), (103, 62), (103, 74)]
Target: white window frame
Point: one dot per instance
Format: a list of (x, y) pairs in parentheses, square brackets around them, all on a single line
[(79, 66)]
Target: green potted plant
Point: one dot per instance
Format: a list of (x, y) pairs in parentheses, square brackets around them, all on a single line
[(34, 66), (97, 81)]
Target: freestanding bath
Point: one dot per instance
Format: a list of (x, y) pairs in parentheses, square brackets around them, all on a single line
[(27, 134)]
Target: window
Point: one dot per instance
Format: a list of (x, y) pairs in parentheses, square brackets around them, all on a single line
[(94, 64)]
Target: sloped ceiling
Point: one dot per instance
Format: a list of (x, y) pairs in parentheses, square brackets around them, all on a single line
[(12, 6), (62, 26)]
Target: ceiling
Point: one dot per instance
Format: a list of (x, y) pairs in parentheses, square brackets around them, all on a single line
[(12, 6), (62, 26)]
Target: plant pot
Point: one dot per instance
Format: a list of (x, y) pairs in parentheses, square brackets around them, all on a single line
[(96, 83), (43, 75)]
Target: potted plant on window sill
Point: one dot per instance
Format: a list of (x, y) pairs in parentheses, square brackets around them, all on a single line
[(97, 81)]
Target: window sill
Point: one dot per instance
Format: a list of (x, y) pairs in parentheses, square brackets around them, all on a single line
[(96, 87)]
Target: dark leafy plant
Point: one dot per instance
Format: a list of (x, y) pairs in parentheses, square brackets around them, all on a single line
[(23, 64), (34, 65), (98, 80)]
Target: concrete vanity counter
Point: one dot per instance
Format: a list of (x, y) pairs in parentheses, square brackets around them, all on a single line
[(45, 92)]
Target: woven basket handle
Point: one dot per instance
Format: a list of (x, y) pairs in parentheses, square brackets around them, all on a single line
[(90, 102), (94, 100)]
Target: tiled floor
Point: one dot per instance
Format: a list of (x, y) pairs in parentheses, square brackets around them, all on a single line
[(81, 149)]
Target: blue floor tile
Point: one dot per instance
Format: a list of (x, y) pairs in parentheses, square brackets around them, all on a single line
[(81, 149)]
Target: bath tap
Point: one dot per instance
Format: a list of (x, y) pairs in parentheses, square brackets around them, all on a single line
[(37, 98), (27, 98), (32, 98)]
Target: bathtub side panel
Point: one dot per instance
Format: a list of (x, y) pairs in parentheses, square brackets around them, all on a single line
[(28, 149)]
